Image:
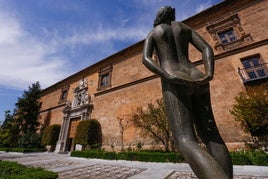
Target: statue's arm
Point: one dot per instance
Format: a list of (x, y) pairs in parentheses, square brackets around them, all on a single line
[(147, 58), (207, 54)]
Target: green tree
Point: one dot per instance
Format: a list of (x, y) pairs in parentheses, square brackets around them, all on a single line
[(9, 131), (19, 128), (8, 120), (251, 110), (27, 109), (153, 122)]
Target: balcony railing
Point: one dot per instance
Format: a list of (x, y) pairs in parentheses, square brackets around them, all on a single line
[(254, 73)]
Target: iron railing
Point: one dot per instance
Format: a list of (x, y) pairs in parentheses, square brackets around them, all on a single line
[(254, 72)]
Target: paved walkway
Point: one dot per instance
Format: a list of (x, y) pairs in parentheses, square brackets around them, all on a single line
[(76, 168)]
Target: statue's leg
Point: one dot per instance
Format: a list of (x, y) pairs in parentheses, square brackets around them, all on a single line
[(208, 131), (178, 104)]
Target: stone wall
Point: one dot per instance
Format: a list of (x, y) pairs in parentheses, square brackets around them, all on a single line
[(121, 103)]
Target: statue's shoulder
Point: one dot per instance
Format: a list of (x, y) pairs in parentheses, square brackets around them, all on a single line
[(162, 27), (161, 30), (180, 24)]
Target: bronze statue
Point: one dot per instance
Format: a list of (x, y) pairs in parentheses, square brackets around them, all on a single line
[(186, 94)]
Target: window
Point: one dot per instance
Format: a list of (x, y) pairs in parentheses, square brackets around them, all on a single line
[(228, 33), (253, 68), (105, 80), (227, 36), (105, 75), (64, 95)]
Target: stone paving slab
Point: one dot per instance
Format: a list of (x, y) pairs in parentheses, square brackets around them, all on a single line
[(79, 168), (100, 172), (191, 175)]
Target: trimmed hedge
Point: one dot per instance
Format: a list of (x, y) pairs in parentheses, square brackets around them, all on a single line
[(13, 170), (252, 157), (133, 156), (89, 133), (239, 158), (21, 150), (51, 135)]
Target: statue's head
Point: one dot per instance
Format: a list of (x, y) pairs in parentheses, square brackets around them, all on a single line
[(164, 14)]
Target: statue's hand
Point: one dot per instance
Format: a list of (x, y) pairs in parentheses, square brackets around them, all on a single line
[(181, 80), (204, 80)]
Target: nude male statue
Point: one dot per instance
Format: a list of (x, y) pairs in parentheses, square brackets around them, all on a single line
[(186, 94)]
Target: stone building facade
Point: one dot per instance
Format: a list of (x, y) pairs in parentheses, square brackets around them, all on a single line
[(115, 86)]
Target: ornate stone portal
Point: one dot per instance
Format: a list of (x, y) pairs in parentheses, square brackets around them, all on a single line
[(80, 109)]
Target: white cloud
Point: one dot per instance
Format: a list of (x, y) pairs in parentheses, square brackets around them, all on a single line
[(23, 59), (203, 6), (9, 31), (102, 35)]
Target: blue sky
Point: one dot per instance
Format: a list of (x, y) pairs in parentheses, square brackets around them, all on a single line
[(49, 40)]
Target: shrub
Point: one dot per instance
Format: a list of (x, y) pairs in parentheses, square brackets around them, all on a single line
[(88, 154), (132, 156), (252, 111), (109, 155), (239, 158), (152, 156), (152, 122), (258, 157), (51, 135), (89, 133), (16, 171), (30, 140), (22, 150), (252, 157), (82, 132)]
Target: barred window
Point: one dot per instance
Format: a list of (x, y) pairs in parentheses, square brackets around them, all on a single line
[(254, 67)]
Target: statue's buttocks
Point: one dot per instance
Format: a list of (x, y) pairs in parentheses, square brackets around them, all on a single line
[(173, 60)]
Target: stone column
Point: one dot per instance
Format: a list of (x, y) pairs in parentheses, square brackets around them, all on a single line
[(62, 136), (60, 147)]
